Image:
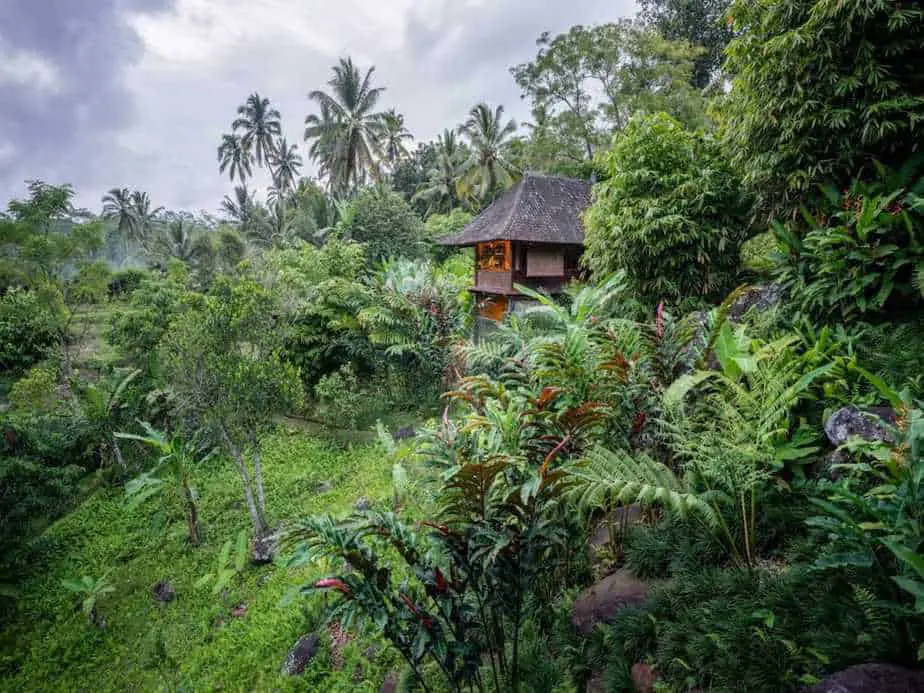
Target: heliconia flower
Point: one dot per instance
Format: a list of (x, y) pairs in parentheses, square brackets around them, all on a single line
[(333, 583)]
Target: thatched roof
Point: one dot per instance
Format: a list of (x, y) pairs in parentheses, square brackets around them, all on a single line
[(538, 209)]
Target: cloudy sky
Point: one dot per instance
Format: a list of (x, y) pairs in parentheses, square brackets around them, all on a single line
[(136, 93)]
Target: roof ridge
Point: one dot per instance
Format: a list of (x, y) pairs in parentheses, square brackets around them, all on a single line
[(515, 205)]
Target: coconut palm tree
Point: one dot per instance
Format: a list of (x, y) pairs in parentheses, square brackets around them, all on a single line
[(392, 135), (117, 205), (441, 190), (182, 241), (240, 207), (260, 126), (347, 128), (285, 164), (145, 217), (235, 156), (488, 136)]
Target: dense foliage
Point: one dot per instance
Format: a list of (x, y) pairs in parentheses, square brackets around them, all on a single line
[(671, 214)]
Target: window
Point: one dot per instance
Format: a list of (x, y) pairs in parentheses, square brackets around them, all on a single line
[(493, 256)]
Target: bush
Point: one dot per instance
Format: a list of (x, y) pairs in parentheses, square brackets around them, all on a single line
[(671, 215), (138, 331), (861, 253), (729, 630), (822, 89), (36, 390), (29, 330), (124, 282), (382, 220)]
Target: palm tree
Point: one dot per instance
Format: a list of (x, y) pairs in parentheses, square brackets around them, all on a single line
[(181, 241), (322, 129), (240, 207), (442, 186), (286, 163), (117, 205), (348, 126), (235, 156), (145, 217), (488, 137), (392, 136), (260, 125)]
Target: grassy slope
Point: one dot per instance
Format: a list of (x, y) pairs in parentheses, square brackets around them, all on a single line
[(194, 642)]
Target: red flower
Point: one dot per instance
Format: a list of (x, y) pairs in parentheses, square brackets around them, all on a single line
[(333, 583)]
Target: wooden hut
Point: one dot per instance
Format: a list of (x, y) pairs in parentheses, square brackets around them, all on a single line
[(533, 236)]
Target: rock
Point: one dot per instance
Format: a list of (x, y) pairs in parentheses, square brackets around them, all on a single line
[(644, 677), (871, 678), (870, 424), (239, 610), (301, 654), (371, 652), (622, 517), (363, 504), (404, 433), (325, 486), (601, 602), (164, 592), (390, 684), (759, 297), (264, 548)]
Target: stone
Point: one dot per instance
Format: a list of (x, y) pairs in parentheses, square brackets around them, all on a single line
[(301, 654), (870, 424), (264, 548), (404, 433), (871, 678), (164, 592), (363, 504), (643, 677), (390, 684), (759, 297), (371, 652), (601, 602), (325, 486)]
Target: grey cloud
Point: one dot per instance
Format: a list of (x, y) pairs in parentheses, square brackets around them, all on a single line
[(58, 131)]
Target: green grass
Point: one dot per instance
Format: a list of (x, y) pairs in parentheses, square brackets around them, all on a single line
[(194, 642)]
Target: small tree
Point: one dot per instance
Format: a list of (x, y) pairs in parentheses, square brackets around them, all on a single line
[(222, 360), (671, 215), (381, 220)]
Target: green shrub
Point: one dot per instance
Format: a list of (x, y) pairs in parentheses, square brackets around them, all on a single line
[(36, 390), (671, 214), (381, 220), (340, 397), (29, 330), (763, 630), (820, 90), (861, 253), (139, 329), (124, 282)]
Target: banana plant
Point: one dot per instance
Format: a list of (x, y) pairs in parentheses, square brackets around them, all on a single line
[(172, 470), (90, 590)]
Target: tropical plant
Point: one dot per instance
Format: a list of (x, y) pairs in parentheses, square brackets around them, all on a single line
[(146, 218), (384, 223), (861, 253), (175, 461), (671, 214), (392, 136), (180, 240), (103, 405), (90, 591), (228, 566), (118, 206), (285, 163), (260, 127), (808, 107), (346, 131), (235, 156), (487, 136), (441, 191), (29, 330)]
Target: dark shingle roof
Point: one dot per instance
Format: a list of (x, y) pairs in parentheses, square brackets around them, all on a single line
[(538, 209)]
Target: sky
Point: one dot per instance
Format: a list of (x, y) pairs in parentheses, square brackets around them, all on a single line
[(137, 93)]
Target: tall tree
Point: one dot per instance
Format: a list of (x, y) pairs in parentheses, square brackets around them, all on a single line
[(235, 156), (118, 206), (393, 135), (285, 163), (701, 22), (441, 190), (260, 125), (240, 207), (488, 136), (347, 127), (145, 216)]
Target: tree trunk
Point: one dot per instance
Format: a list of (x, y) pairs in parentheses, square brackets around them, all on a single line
[(192, 515), (256, 518), (258, 480), (117, 451)]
